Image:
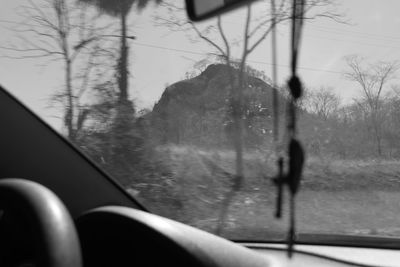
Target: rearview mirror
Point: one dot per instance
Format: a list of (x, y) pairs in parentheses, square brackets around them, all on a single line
[(202, 9)]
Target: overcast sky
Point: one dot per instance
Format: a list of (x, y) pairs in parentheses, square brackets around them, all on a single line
[(160, 57)]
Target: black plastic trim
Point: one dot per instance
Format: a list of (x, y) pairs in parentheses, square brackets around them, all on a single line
[(194, 17)]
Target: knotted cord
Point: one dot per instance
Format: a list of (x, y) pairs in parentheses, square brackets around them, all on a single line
[(296, 152)]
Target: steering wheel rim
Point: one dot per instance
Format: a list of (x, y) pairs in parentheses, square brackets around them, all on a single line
[(58, 243)]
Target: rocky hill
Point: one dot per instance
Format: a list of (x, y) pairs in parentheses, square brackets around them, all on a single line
[(197, 111)]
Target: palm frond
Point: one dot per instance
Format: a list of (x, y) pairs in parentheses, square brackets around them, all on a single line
[(118, 7)]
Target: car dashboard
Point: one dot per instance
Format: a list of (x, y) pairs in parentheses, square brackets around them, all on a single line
[(119, 236)]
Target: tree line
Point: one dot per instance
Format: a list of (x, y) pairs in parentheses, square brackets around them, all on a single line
[(367, 127)]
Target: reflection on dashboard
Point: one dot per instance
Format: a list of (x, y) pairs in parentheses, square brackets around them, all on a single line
[(332, 256)]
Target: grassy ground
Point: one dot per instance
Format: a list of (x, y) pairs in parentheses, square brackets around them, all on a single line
[(337, 196)]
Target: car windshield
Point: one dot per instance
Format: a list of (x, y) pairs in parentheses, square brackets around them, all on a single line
[(181, 113)]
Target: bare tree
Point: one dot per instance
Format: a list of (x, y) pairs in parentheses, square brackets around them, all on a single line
[(60, 31), (373, 79), (323, 102), (255, 30)]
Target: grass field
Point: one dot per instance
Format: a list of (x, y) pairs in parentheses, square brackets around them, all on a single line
[(337, 196)]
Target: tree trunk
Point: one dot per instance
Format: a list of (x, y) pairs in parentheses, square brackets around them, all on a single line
[(237, 106), (125, 142), (238, 119), (377, 137), (377, 131), (69, 113), (123, 63)]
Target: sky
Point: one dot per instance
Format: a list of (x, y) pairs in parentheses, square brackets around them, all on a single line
[(160, 56)]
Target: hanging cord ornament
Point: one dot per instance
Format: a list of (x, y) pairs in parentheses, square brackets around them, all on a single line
[(296, 152)]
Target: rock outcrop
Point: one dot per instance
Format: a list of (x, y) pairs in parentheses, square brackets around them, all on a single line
[(197, 111)]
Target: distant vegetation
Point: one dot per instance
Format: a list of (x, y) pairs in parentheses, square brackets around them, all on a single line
[(195, 112), (181, 163)]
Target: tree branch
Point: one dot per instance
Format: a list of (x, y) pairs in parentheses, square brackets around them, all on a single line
[(208, 40)]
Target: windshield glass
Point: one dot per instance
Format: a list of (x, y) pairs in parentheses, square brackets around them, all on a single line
[(181, 114)]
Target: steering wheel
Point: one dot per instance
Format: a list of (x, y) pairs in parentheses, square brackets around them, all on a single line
[(50, 225)]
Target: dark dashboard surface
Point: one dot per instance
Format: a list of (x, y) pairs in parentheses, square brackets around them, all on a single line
[(118, 236)]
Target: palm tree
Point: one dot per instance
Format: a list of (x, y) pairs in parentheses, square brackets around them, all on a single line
[(120, 9), (126, 145)]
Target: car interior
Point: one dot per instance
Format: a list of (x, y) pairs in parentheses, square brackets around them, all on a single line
[(59, 208)]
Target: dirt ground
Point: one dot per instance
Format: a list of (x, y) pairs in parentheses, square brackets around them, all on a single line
[(337, 196)]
